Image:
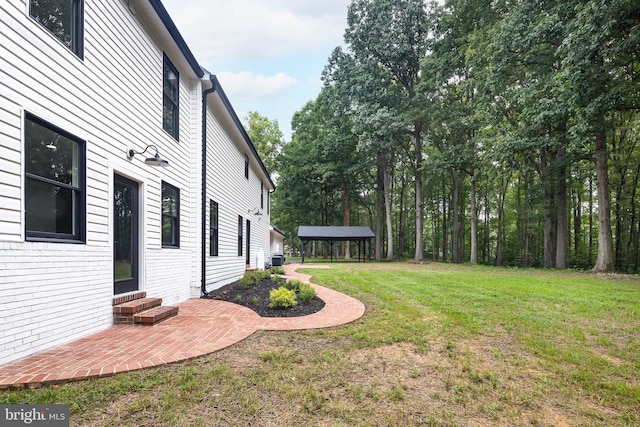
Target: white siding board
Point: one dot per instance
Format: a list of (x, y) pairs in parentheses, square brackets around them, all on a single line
[(235, 195), (113, 101)]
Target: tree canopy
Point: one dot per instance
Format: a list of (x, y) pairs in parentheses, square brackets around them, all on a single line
[(482, 131)]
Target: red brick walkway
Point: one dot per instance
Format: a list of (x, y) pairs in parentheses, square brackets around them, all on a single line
[(202, 326)]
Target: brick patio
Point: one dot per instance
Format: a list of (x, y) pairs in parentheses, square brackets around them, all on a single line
[(202, 326)]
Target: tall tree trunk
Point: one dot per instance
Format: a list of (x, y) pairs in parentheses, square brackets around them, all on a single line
[(379, 203), (548, 245), (633, 227), (485, 245), (387, 205), (562, 230), (445, 225), (590, 219), (419, 254), (455, 212), (577, 223), (347, 215), (604, 262), (473, 259), (500, 239), (401, 227)]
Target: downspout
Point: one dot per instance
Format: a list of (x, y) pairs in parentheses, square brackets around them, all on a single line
[(205, 94)]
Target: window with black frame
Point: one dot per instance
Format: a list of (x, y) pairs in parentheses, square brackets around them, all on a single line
[(213, 228), (64, 19), (54, 183), (170, 216), (170, 98), (240, 227)]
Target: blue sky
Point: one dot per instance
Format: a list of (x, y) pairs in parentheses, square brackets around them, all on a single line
[(267, 54)]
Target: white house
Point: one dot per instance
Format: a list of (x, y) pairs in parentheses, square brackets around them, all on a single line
[(276, 241), (95, 97), (237, 195)]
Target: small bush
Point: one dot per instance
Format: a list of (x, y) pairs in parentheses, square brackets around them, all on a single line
[(306, 293), (293, 285), (278, 280), (252, 278), (277, 270), (282, 298)]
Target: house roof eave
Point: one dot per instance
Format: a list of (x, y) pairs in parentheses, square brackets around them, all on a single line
[(154, 13)]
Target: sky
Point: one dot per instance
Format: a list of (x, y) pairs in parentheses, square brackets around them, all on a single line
[(267, 54)]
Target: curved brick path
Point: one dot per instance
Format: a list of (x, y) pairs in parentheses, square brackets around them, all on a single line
[(202, 326)]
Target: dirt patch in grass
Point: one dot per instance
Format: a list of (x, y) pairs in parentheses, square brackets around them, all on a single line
[(257, 299)]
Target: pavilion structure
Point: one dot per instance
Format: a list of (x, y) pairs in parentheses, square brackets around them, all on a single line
[(331, 234)]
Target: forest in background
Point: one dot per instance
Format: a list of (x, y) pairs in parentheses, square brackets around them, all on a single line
[(480, 131)]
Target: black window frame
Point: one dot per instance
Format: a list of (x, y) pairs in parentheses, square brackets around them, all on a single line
[(246, 166), (214, 236), (76, 40), (240, 235), (170, 99), (174, 219), (262, 195), (79, 213)]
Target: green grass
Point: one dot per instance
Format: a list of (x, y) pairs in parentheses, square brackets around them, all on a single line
[(439, 345)]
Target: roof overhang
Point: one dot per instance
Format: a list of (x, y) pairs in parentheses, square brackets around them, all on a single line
[(155, 16), (274, 230), (335, 233)]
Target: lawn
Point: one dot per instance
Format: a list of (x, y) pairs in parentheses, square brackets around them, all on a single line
[(439, 345)]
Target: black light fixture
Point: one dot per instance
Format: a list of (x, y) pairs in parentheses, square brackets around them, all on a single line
[(255, 211), (151, 161)]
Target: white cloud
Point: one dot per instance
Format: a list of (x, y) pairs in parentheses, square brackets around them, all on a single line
[(257, 28), (284, 44), (249, 85)]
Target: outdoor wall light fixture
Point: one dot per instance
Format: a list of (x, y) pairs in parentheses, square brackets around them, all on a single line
[(255, 211), (151, 161)]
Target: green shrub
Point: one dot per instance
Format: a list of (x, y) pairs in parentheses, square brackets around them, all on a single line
[(278, 280), (252, 278), (277, 270), (293, 285), (282, 298), (306, 293)]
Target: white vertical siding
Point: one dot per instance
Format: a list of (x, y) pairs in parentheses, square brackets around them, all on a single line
[(236, 196)]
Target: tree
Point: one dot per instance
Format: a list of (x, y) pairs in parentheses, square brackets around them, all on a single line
[(369, 101), (267, 138), (600, 51), (393, 35)]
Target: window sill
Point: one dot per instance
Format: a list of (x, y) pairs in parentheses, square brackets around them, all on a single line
[(54, 240)]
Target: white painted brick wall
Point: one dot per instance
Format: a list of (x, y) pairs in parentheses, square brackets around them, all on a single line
[(51, 294)]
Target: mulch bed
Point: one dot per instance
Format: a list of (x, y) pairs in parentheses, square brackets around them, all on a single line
[(257, 299)]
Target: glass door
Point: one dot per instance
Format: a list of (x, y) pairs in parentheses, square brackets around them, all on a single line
[(125, 241)]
